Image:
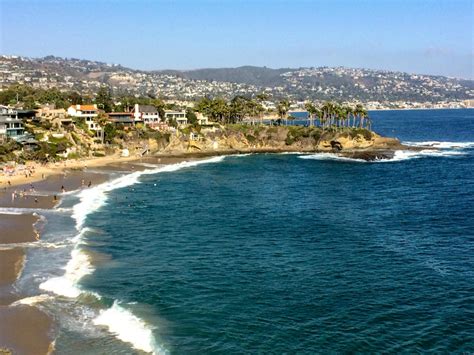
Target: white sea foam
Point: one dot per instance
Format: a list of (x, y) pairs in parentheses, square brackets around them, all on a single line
[(330, 156), (129, 328), (31, 301), (18, 211), (399, 155), (78, 266), (408, 154), (36, 245), (442, 145)]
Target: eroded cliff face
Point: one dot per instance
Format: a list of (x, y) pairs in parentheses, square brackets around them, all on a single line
[(264, 138)]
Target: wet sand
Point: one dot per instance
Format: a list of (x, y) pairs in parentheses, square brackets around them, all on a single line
[(18, 228), (11, 264), (25, 330)]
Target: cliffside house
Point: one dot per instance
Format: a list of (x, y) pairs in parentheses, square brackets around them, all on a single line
[(147, 114), (89, 113), (10, 125), (178, 116), (125, 118), (57, 117), (202, 120), (11, 128)]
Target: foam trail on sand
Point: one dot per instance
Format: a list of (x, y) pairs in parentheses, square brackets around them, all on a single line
[(18, 211), (31, 301), (129, 328)]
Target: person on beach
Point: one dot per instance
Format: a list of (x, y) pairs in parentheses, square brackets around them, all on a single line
[(63, 190), (55, 198), (89, 184)]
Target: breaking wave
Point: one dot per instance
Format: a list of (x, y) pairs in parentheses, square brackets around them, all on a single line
[(399, 155), (129, 328), (120, 321)]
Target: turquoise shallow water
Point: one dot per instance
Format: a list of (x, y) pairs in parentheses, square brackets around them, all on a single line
[(292, 253)]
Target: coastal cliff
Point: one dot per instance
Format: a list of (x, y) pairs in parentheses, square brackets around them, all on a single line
[(241, 138)]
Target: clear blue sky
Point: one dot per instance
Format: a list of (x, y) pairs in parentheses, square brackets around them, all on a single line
[(422, 36)]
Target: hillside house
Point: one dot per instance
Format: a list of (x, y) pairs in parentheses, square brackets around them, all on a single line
[(178, 116), (89, 113), (147, 114)]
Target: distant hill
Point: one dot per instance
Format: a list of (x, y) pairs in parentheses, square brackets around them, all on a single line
[(260, 76), (321, 83)]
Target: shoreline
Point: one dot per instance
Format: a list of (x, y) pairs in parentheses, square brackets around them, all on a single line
[(72, 177), (20, 227)]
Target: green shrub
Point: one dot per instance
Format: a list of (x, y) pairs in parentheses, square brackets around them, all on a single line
[(73, 156), (250, 138)]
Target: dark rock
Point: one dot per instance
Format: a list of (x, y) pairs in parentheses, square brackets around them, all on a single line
[(370, 155)]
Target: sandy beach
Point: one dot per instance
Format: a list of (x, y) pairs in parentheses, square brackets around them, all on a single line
[(41, 191)]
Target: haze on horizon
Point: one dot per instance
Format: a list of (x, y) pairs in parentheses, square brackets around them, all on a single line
[(417, 36)]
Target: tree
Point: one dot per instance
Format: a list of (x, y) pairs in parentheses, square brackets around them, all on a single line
[(102, 120), (282, 108), (104, 99), (191, 116), (109, 132), (309, 106)]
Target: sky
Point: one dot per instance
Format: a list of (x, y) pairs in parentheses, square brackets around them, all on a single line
[(415, 36)]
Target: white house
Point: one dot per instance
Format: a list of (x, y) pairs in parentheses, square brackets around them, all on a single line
[(178, 116), (89, 113), (146, 113), (202, 120)]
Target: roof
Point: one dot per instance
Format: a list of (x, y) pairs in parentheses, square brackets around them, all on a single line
[(84, 107), (147, 108), (112, 114), (121, 119)]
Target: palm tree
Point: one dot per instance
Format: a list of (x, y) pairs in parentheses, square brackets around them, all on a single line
[(283, 107), (102, 121), (311, 112)]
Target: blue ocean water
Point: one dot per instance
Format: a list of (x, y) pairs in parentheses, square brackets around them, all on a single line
[(292, 253)]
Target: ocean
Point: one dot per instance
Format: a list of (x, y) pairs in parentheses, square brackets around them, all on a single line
[(271, 253)]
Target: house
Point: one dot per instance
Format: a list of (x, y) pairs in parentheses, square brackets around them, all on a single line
[(57, 117), (8, 111), (125, 118), (147, 114), (89, 113), (11, 127), (178, 116), (201, 119)]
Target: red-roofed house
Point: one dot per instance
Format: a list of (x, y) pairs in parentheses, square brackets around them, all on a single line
[(88, 112)]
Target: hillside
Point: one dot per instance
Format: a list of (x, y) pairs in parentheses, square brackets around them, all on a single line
[(322, 83)]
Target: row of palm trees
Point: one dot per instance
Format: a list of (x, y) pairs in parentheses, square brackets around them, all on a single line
[(332, 114), (240, 108)]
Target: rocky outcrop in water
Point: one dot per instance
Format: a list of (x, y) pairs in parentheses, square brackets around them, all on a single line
[(359, 142)]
